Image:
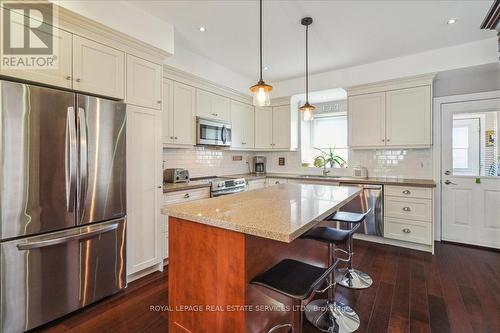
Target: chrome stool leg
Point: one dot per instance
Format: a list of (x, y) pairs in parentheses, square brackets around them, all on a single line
[(353, 278), (329, 315)]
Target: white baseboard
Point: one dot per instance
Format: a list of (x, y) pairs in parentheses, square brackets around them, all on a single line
[(144, 272), (394, 242)]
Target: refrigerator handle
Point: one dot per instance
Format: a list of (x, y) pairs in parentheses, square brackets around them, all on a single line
[(92, 232), (71, 159), (83, 177)]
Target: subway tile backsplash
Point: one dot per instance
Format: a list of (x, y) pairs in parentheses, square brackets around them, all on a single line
[(391, 163), (204, 161)]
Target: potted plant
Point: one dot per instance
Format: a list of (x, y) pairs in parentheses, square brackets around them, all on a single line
[(329, 157)]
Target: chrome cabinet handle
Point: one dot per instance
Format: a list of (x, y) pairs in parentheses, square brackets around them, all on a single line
[(186, 195), (406, 230), (175, 138), (448, 182), (68, 77), (406, 192), (388, 140), (383, 140), (171, 137), (406, 209), (159, 102), (78, 80), (277, 182), (447, 172), (215, 114)]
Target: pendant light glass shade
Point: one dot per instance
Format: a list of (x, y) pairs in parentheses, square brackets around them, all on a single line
[(307, 109), (261, 90)]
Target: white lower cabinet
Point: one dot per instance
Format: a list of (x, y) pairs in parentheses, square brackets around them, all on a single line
[(408, 214), (144, 190), (256, 184), (177, 197), (275, 181)]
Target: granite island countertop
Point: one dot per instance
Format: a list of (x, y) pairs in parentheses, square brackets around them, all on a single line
[(282, 212)]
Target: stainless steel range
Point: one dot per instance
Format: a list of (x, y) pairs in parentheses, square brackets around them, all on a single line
[(224, 185)]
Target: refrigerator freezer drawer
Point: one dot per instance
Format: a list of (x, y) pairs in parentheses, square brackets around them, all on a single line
[(47, 276)]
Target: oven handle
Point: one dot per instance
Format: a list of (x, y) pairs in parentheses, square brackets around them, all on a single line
[(224, 192), (80, 236)]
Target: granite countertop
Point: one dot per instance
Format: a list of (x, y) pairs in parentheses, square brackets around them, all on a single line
[(342, 179), (282, 212)]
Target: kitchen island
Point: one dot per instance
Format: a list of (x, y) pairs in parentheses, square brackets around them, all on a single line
[(217, 245)]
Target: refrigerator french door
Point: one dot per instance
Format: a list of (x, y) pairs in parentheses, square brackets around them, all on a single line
[(62, 203)]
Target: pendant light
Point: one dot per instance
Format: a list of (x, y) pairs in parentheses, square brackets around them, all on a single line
[(261, 90), (307, 109)]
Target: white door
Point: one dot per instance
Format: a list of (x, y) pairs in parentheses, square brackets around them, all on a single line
[(167, 123), (98, 69), (470, 172), (408, 117), (264, 127), (143, 83), (144, 189), (184, 121), (62, 75), (281, 127), (366, 118)]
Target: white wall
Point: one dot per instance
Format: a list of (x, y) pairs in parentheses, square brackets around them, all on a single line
[(205, 68), (126, 18), (465, 55)]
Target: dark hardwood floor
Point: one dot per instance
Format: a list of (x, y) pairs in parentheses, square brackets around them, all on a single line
[(457, 290)]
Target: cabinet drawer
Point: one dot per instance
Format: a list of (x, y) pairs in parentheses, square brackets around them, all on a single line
[(407, 208), (256, 184), (186, 196), (406, 230), (408, 192)]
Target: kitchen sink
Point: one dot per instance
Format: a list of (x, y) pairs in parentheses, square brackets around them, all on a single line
[(318, 176)]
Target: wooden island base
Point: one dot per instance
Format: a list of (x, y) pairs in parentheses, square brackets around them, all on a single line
[(209, 273)]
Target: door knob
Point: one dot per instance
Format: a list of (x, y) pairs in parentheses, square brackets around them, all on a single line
[(448, 182)]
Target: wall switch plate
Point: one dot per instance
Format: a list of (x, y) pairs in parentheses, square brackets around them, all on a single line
[(281, 161)]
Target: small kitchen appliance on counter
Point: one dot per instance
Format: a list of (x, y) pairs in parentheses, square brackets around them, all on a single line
[(175, 175), (359, 172), (259, 164)]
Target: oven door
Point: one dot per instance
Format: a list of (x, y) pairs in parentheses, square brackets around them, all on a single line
[(214, 133)]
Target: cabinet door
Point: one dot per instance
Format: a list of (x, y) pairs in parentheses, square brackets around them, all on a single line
[(366, 117), (98, 69), (167, 128), (144, 190), (242, 121), (408, 117), (184, 121), (264, 127), (143, 83), (60, 76), (212, 106), (281, 127)]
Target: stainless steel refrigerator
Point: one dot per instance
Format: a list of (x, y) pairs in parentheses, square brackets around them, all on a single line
[(62, 203)]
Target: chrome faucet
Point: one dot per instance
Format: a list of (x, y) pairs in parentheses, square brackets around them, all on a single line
[(325, 172)]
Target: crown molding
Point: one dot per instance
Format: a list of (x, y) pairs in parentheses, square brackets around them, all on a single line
[(401, 83)]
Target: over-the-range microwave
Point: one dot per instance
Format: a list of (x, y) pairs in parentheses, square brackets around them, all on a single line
[(213, 132)]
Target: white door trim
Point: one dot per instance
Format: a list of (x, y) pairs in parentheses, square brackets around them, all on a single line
[(436, 150)]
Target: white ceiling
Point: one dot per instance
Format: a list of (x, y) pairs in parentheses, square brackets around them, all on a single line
[(344, 33)]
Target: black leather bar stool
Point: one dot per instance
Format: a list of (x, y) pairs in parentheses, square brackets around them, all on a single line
[(294, 279), (329, 315), (350, 277)]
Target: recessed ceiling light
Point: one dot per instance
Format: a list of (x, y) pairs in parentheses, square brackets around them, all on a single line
[(266, 68), (451, 21), (202, 29)]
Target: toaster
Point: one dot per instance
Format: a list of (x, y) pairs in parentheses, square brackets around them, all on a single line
[(359, 172), (175, 175)]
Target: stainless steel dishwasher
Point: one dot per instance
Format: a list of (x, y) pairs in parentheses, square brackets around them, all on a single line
[(371, 197)]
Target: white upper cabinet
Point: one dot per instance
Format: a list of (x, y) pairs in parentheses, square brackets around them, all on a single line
[(242, 120), (98, 68), (183, 114), (143, 83), (281, 127), (408, 117), (367, 120), (395, 113), (264, 127), (61, 75), (212, 106)]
